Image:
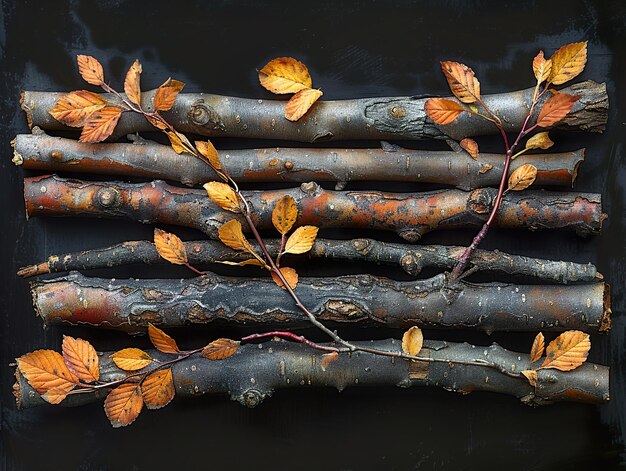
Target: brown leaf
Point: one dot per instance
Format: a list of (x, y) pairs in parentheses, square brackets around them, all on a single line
[(300, 103), (541, 67), (81, 359), (100, 124), (522, 177), (56, 395), (123, 404), (223, 196), (531, 376), (301, 240), (131, 83), (170, 247), (285, 214), (442, 111), (46, 372), (568, 351), (470, 146), (555, 109), (161, 341), (75, 108), (159, 124), (250, 261), (232, 236), (90, 69), (285, 75), (207, 149), (539, 141), (158, 389), (131, 359), (220, 349), (485, 168), (166, 94), (567, 62), (536, 352), (327, 359), (463, 84), (289, 274), (178, 141), (412, 341)]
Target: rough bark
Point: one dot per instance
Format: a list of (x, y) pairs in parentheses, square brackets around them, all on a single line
[(412, 259), (366, 118), (391, 163), (409, 214), (255, 372), (129, 305)]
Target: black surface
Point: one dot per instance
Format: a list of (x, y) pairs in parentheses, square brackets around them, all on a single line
[(353, 50)]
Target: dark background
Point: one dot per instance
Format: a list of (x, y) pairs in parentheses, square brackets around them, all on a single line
[(354, 49)]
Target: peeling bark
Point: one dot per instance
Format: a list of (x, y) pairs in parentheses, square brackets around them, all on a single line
[(409, 214)]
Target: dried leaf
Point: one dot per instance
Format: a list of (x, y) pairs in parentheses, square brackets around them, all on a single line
[(442, 110), (56, 395), (285, 75), (470, 146), (46, 372), (485, 168), (289, 274), (412, 341), (90, 69), (100, 124), (541, 67), (539, 141), (567, 62), (285, 214), (223, 196), (463, 84), (166, 94), (531, 376), (300, 103), (123, 404), (207, 149), (158, 389), (159, 124), (131, 83), (178, 141), (536, 352), (250, 261), (327, 359), (555, 109), (522, 177), (75, 108), (568, 351), (301, 240), (131, 359), (231, 235), (170, 247), (220, 349), (161, 341), (81, 359)]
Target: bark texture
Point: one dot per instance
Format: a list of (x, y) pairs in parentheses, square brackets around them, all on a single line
[(409, 214), (256, 371), (130, 305), (390, 163)]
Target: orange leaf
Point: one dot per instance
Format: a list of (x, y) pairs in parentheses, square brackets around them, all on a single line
[(131, 359), (159, 124), (220, 349), (531, 376), (81, 359), (536, 352), (170, 247), (232, 236), (540, 141), (555, 109), (290, 275), (161, 341), (463, 84), (522, 177), (442, 111), (328, 358), (285, 214), (166, 94), (568, 351), (541, 67), (76, 107), (207, 149), (301, 240), (567, 62), (131, 83), (90, 69), (56, 395), (412, 341), (223, 196), (123, 404), (300, 103), (485, 168), (178, 141), (100, 124), (285, 75), (250, 261), (470, 146), (45, 371), (158, 389)]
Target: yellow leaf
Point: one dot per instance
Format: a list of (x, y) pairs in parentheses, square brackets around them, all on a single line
[(285, 214), (75, 108), (223, 196), (170, 247), (220, 349), (232, 236), (123, 404), (46, 371), (131, 83), (555, 109), (289, 274), (285, 75), (412, 341), (531, 376), (522, 177), (158, 389), (166, 94), (541, 67), (90, 69), (568, 351), (100, 124), (328, 358), (442, 111), (301, 240), (131, 359), (539, 141), (470, 146), (81, 359), (300, 103), (567, 62), (536, 352), (207, 149), (463, 84), (178, 141), (161, 341)]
